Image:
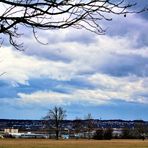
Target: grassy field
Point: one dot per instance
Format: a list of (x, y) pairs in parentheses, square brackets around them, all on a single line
[(45, 143)]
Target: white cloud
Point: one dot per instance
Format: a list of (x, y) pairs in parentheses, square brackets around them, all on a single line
[(71, 59), (106, 89), (43, 97), (130, 89), (19, 68), (65, 59)]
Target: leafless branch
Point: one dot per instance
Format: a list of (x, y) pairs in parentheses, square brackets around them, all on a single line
[(57, 14)]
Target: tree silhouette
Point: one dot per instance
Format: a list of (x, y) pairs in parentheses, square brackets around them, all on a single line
[(90, 125), (56, 14), (55, 117), (78, 127)]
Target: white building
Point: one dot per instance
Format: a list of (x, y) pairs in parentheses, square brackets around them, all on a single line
[(10, 130)]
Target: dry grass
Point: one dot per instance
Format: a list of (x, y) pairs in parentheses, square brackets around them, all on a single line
[(45, 143)]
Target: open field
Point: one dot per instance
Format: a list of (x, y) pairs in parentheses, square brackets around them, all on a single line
[(45, 143)]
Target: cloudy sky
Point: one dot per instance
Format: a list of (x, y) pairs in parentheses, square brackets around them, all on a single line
[(105, 75)]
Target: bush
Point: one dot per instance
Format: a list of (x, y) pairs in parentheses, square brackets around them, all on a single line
[(99, 134), (103, 134), (108, 134)]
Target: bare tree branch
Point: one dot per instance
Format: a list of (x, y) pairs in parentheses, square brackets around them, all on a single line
[(57, 14), (56, 115)]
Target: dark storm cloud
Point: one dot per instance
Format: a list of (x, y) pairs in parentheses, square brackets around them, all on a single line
[(121, 65), (133, 26), (81, 37), (142, 4)]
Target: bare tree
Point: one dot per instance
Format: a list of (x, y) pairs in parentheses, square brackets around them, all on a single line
[(78, 127), (90, 125), (141, 129), (57, 14), (55, 117)]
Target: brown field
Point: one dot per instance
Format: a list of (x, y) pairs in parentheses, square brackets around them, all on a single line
[(45, 143)]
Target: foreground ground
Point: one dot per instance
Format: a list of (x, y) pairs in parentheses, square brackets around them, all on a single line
[(45, 143)]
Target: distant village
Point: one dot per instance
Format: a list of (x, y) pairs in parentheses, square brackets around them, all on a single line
[(98, 129)]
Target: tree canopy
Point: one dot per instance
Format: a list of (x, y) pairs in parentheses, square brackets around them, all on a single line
[(56, 14)]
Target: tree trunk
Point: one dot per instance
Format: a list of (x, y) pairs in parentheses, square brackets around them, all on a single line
[(57, 134)]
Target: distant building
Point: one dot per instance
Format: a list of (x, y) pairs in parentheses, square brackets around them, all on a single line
[(117, 132), (10, 130)]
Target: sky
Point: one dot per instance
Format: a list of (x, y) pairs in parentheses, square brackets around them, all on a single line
[(105, 75)]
